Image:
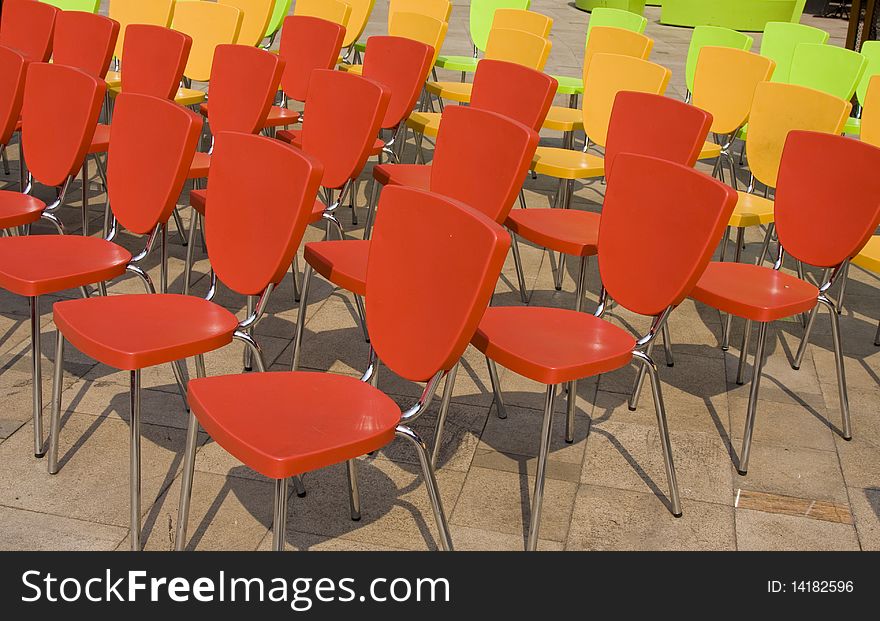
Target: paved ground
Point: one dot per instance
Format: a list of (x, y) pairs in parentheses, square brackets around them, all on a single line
[(806, 488)]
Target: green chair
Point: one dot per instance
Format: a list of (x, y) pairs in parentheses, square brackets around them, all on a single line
[(601, 16), (714, 36), (871, 52), (481, 15), (827, 68), (636, 6), (89, 6), (282, 8), (781, 39)]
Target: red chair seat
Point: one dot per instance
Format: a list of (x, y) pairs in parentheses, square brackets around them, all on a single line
[(344, 263), (563, 230), (290, 136), (17, 209), (279, 117), (41, 264), (200, 166), (754, 292), (282, 424), (377, 147), (552, 345), (317, 211), (197, 200), (101, 140), (411, 175), (133, 332)]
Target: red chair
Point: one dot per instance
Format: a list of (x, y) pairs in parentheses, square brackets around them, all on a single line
[(13, 67), (27, 27), (285, 424), (155, 58), (804, 200), (640, 123), (307, 43), (648, 264), (458, 173)]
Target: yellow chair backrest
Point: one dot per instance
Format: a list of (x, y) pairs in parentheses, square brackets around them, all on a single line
[(419, 27), (155, 13), (724, 84), (209, 24), (518, 19), (357, 21), (518, 46), (608, 75), (438, 9), (780, 108), (331, 10), (871, 113), (608, 40), (254, 21)]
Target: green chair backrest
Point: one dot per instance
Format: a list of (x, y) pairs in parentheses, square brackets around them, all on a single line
[(798, 11), (827, 68), (481, 16), (871, 51), (282, 8), (616, 18), (780, 39), (89, 6), (714, 36)]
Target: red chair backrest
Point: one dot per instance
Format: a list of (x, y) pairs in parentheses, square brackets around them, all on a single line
[(13, 68), (819, 220), (85, 41), (661, 222), (432, 270), (27, 27), (155, 58), (307, 43), (244, 81), (516, 91), (343, 115), (402, 65), (152, 142), (484, 173), (254, 228), (655, 125), (58, 120)]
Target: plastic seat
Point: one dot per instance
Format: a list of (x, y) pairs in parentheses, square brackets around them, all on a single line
[(27, 27), (780, 40), (342, 262), (13, 68), (869, 256), (357, 21), (712, 36), (155, 59), (481, 16), (642, 269), (135, 12), (85, 41), (254, 21), (871, 51), (819, 222), (416, 26), (827, 68), (616, 18), (870, 121), (329, 10), (89, 6)]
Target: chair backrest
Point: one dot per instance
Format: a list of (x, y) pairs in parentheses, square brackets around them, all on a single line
[(522, 94), (85, 41), (89, 6), (431, 272), (253, 229), (152, 142), (804, 200), (657, 126), (343, 148), (307, 43), (609, 40), (254, 20), (56, 137), (871, 51), (715, 36), (608, 75), (724, 85), (209, 24), (518, 46), (780, 108), (27, 26), (438, 9), (615, 18), (13, 68), (648, 261), (127, 12), (279, 12), (781, 38), (871, 113), (244, 81), (482, 13), (403, 66), (418, 27), (520, 19), (331, 10), (459, 166), (357, 22), (155, 58), (827, 68)]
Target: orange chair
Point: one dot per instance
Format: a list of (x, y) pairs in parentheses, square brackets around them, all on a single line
[(456, 173), (155, 58), (13, 67), (647, 263), (56, 138), (27, 27), (820, 222), (284, 424)]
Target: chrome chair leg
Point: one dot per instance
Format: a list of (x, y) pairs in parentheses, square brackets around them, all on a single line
[(181, 230), (640, 380), (805, 339), (5, 160), (55, 416), (724, 241), (354, 494), (540, 475), (744, 352), (37, 377), (728, 322), (371, 209), (294, 269), (448, 389), (353, 199), (838, 363), (800, 273), (298, 486), (500, 410), (189, 462), (431, 483), (765, 247), (362, 316), (877, 336), (522, 198), (843, 279), (247, 359), (85, 196), (279, 521), (571, 403), (520, 276), (135, 460), (753, 400), (667, 346), (301, 317), (190, 251)]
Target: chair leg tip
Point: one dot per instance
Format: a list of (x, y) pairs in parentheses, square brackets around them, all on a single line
[(847, 438), (741, 473), (558, 288), (40, 455), (725, 347), (670, 364), (677, 515), (740, 383), (249, 368), (631, 408), (302, 494), (796, 367)]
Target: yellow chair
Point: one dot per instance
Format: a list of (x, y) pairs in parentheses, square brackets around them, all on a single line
[(331, 10), (155, 12), (415, 26), (209, 24), (255, 19), (519, 19), (515, 46), (869, 259), (357, 22), (602, 40), (438, 9)]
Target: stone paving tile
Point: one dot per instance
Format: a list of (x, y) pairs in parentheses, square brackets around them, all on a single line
[(32, 530), (757, 530)]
